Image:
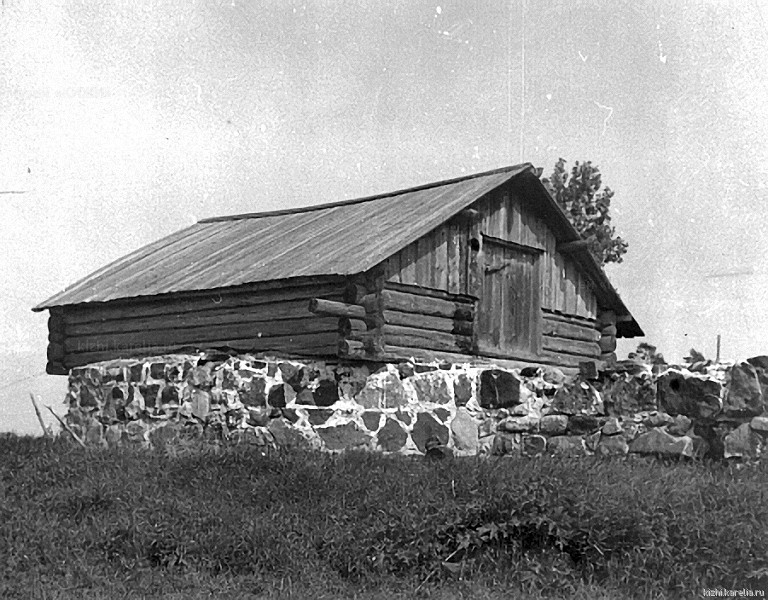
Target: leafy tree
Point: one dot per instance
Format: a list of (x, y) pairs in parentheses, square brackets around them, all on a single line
[(646, 353), (587, 208)]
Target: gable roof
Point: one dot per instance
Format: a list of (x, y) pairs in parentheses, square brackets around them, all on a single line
[(341, 238)]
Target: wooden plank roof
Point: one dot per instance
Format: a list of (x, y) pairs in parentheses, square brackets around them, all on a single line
[(341, 238)]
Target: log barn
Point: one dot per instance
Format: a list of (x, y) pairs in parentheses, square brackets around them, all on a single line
[(482, 268)]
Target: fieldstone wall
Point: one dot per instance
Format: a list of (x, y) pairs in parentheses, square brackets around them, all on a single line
[(432, 409)]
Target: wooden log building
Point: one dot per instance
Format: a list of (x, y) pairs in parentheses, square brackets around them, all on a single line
[(481, 268)]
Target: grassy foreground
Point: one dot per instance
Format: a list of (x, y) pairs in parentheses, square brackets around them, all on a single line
[(234, 524)]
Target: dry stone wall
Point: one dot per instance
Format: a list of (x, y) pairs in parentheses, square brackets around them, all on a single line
[(429, 409)]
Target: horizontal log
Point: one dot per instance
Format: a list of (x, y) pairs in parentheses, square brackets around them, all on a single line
[(608, 330), (56, 336), (426, 305), (56, 368), (607, 344), (354, 292), (398, 330), (568, 318), (394, 317), (352, 349), (561, 360), (210, 300), (573, 347), (437, 341), (298, 344), (348, 327), (397, 353), (418, 290), (55, 352), (203, 335), (570, 331), (372, 303), (372, 340), (331, 308), (567, 247), (56, 322), (262, 313)]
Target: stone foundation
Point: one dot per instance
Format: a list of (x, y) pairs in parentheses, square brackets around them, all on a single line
[(433, 409)]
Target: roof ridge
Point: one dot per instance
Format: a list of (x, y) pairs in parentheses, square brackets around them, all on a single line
[(288, 211)]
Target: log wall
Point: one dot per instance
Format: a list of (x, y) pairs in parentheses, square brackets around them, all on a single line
[(420, 318), (568, 340), (257, 318)]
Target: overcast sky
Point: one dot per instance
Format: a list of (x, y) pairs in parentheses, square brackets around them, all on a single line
[(124, 121)]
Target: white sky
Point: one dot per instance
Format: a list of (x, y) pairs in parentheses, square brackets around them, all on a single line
[(125, 121)]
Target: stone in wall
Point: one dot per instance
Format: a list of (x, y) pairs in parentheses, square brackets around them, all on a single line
[(431, 386), (340, 437), (553, 424), (392, 437), (625, 393), (760, 363), (371, 419), (680, 425), (659, 443), (506, 444), (691, 394), (612, 427), (425, 427), (612, 445), (566, 446), (383, 390), (533, 445), (182, 399), (577, 397), (464, 431), (743, 393), (742, 442), (583, 424), (285, 436), (498, 389), (462, 389), (519, 424)]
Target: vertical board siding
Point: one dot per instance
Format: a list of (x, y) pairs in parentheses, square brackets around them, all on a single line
[(443, 260)]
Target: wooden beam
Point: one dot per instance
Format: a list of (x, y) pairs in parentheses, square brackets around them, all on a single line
[(56, 368), (352, 349), (331, 308), (567, 247), (399, 353), (262, 313), (568, 318), (426, 305), (428, 339), (573, 347), (174, 304), (429, 292), (570, 331), (298, 344), (427, 322), (199, 335), (510, 244)]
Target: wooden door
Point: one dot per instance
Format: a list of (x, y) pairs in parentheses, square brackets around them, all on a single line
[(510, 312)]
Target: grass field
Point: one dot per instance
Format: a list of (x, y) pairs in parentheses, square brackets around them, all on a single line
[(235, 524)]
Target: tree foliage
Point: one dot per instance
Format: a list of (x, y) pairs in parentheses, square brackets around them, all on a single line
[(648, 354), (588, 208)]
